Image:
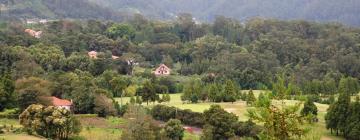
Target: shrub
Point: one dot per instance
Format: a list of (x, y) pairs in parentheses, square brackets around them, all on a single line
[(50, 122), (165, 113)]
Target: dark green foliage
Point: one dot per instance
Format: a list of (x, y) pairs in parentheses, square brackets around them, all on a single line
[(221, 123), (7, 94), (352, 129), (192, 91), (121, 31), (309, 108), (148, 92), (338, 114), (349, 85), (247, 129), (174, 129), (229, 92), (165, 113)]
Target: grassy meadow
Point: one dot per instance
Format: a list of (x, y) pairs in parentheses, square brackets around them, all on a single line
[(317, 131), (95, 128)]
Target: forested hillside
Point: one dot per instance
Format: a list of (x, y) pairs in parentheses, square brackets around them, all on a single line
[(56, 9), (92, 66), (206, 10)]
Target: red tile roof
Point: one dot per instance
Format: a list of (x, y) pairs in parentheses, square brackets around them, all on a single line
[(60, 102)]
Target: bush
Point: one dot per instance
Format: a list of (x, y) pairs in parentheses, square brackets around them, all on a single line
[(50, 122), (165, 113)]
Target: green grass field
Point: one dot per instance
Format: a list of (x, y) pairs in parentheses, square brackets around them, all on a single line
[(317, 131), (95, 128)]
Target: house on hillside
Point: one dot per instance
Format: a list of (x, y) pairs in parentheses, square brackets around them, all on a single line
[(92, 54), (162, 70), (36, 34), (61, 103)]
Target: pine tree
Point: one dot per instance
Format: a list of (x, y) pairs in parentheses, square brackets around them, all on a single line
[(229, 92), (213, 91), (338, 113), (310, 110), (7, 88), (352, 131), (250, 98), (149, 93), (349, 86)]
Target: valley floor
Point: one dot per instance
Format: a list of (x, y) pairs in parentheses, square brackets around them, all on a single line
[(95, 128)]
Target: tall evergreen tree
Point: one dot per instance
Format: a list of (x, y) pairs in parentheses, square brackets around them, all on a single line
[(148, 92), (310, 110), (349, 85), (352, 130), (7, 88), (250, 99), (338, 113), (229, 92)]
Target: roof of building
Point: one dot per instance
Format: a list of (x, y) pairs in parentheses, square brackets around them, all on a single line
[(60, 102), (163, 65)]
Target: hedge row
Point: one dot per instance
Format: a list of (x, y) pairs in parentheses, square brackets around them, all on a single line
[(187, 117)]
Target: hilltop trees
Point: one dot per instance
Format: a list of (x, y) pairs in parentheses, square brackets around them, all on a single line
[(121, 30)]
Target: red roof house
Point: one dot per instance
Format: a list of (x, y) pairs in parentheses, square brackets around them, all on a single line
[(61, 103)]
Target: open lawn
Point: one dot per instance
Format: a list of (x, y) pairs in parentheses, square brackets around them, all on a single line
[(316, 132)]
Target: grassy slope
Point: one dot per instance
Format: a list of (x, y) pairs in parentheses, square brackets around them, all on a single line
[(317, 131)]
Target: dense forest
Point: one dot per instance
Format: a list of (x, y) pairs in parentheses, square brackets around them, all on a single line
[(248, 54), (287, 60)]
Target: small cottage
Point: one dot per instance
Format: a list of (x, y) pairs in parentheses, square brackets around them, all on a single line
[(61, 103), (36, 34), (92, 54), (162, 70)]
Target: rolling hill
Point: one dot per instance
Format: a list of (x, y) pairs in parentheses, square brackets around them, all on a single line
[(316, 10), (56, 9)]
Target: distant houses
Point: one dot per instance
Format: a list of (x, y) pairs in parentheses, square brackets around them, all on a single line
[(36, 34), (162, 70), (37, 21), (93, 55), (61, 103)]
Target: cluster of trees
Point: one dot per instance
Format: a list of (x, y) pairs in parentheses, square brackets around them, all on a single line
[(216, 122), (343, 117), (197, 90), (142, 126)]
